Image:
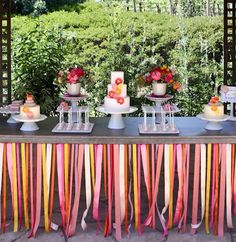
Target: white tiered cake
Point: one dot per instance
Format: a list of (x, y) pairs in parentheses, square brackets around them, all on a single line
[(214, 109), (30, 110), (117, 99)]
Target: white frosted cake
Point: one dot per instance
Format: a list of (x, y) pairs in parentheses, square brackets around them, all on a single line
[(29, 110), (117, 99), (214, 109)]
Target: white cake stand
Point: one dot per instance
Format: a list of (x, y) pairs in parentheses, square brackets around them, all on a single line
[(6, 110), (74, 100), (29, 124), (158, 101), (116, 120), (213, 124)]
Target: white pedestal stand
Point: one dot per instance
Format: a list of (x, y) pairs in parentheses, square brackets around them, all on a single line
[(213, 124), (29, 124), (74, 106), (158, 101), (11, 120), (116, 120)]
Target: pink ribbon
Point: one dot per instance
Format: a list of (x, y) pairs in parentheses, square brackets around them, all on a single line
[(195, 188), (213, 186), (177, 215), (186, 175), (78, 176), (97, 187), (139, 189), (153, 184), (149, 218), (71, 184), (38, 191), (61, 188), (117, 192), (222, 192)]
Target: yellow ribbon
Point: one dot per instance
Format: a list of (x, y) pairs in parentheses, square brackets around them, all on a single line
[(14, 174), (24, 185), (208, 188), (135, 183), (45, 189), (171, 187), (91, 147)]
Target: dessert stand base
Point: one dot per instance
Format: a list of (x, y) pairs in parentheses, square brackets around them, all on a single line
[(73, 128), (11, 120), (149, 129), (213, 124), (116, 121), (29, 126)]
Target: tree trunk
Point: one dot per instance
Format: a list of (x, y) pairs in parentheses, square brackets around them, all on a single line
[(208, 5), (173, 7), (140, 6), (134, 4), (127, 5)]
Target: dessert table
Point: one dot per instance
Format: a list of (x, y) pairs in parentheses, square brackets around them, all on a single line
[(120, 161)]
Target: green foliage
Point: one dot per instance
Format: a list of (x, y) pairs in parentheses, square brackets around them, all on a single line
[(36, 57), (104, 39)]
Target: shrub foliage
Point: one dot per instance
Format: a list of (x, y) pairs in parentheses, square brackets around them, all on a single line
[(105, 39)]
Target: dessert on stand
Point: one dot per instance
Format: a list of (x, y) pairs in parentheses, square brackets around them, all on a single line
[(29, 114), (72, 78), (74, 103), (161, 77), (149, 126), (214, 114), (116, 102), (12, 109), (159, 100), (73, 120)]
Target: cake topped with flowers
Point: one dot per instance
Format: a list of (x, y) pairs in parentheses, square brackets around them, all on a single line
[(117, 99), (72, 78), (29, 110), (214, 109), (161, 77)]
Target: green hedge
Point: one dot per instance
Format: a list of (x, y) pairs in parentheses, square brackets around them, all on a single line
[(103, 40)]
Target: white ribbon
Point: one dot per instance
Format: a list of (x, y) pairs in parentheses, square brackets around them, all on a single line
[(167, 179), (87, 185), (228, 187), (122, 182)]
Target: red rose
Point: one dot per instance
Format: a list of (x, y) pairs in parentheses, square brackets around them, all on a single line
[(148, 79), (79, 72), (168, 77)]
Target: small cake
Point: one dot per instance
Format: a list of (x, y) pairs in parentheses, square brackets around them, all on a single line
[(29, 110), (214, 109), (117, 99), (15, 106)]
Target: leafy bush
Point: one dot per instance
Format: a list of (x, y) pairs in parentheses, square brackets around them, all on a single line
[(105, 39), (36, 57)]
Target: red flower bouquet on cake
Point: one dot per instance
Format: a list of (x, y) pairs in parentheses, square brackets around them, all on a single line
[(160, 77), (72, 78)]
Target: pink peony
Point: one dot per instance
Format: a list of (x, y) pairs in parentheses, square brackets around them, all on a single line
[(156, 75)]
